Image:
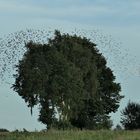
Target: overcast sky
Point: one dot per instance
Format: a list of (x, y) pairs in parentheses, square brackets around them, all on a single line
[(120, 19)]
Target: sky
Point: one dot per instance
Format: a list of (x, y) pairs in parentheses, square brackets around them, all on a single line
[(120, 19)]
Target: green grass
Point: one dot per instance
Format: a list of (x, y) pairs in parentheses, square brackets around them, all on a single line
[(73, 135)]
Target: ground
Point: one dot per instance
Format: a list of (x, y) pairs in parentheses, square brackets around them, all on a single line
[(72, 135)]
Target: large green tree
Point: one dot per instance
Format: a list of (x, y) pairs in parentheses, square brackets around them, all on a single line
[(69, 79)]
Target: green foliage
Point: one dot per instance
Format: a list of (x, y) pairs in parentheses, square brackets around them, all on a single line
[(131, 116), (68, 78), (3, 130)]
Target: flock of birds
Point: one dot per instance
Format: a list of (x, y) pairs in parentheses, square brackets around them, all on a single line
[(12, 48)]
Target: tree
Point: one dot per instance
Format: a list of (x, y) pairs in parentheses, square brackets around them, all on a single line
[(118, 128), (68, 77), (131, 116), (3, 130)]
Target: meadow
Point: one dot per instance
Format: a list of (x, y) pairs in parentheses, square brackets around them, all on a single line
[(72, 135)]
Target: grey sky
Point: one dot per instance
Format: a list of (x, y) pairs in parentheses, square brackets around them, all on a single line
[(120, 19)]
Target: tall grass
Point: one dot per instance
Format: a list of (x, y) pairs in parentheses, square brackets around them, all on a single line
[(73, 135)]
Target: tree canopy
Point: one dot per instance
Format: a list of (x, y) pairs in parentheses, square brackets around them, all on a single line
[(69, 78), (131, 116)]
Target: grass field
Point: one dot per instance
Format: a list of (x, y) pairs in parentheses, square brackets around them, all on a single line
[(73, 135)]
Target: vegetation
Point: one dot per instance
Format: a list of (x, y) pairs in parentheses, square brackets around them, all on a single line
[(118, 128), (69, 79), (73, 135), (3, 130), (131, 116)]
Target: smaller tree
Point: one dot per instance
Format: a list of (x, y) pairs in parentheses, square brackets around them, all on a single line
[(131, 116), (118, 127), (3, 130)]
